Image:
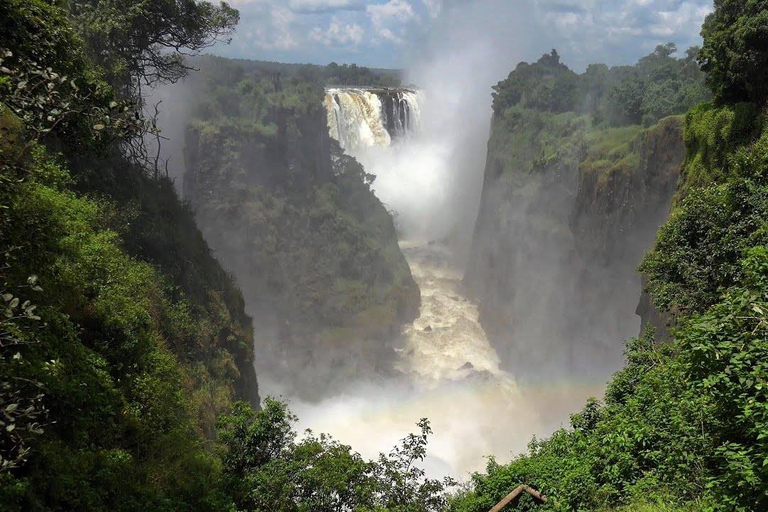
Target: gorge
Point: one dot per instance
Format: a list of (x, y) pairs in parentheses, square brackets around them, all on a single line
[(519, 312), (316, 288)]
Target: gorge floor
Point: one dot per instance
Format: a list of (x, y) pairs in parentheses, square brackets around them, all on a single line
[(451, 375)]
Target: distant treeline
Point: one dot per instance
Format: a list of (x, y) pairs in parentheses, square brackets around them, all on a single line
[(332, 74), (659, 85)]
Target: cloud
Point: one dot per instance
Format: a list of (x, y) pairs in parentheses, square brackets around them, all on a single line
[(338, 33), (620, 32), (394, 10), (434, 7), (388, 20), (265, 27), (391, 33), (323, 6)]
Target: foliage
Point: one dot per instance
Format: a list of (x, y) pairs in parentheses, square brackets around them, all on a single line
[(352, 74), (659, 85), (47, 82), (145, 41), (725, 353), (735, 52), (21, 401), (295, 219), (267, 468), (683, 426), (123, 338), (545, 85), (641, 445), (698, 251)]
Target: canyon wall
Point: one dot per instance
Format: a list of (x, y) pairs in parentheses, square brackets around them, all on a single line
[(295, 220), (567, 212)]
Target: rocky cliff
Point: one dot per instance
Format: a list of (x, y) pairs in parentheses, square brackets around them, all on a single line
[(567, 211), (294, 219)]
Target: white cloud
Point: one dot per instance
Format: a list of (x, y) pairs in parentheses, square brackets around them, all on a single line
[(388, 35), (393, 31), (319, 6), (389, 19), (434, 7), (272, 28), (338, 33), (394, 10)]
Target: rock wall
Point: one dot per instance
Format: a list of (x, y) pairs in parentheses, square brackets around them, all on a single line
[(313, 249), (566, 214)]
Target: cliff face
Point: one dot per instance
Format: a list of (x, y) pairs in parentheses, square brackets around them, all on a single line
[(567, 212), (314, 251)]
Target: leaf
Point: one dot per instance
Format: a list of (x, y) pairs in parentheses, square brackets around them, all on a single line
[(14, 303), (6, 70), (98, 127), (112, 104), (10, 427), (7, 297), (36, 289), (11, 407), (32, 279)]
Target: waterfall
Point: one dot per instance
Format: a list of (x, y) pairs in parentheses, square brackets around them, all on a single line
[(372, 117)]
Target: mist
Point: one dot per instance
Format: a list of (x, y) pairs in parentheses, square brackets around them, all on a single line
[(477, 395)]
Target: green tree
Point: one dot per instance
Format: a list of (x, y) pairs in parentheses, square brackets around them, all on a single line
[(266, 468), (143, 42), (735, 50)]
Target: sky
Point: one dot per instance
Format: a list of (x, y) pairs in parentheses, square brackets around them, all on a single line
[(395, 33)]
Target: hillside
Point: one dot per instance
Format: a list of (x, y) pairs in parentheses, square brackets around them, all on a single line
[(683, 423), (123, 338), (297, 223), (572, 197)]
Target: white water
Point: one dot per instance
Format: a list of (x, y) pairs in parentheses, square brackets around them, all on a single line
[(411, 163), (449, 372), (451, 375), (358, 118)]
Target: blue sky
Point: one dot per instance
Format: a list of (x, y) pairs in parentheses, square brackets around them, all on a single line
[(393, 33)]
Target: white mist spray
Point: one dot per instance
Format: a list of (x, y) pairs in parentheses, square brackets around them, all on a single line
[(449, 371)]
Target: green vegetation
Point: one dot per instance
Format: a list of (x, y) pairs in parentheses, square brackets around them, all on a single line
[(144, 42), (266, 468), (122, 338), (296, 221), (684, 425), (124, 346), (659, 85), (735, 51)]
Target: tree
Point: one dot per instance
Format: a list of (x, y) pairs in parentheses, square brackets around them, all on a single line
[(144, 42), (735, 51), (266, 468)]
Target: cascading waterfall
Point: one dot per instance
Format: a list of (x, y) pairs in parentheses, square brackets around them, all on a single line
[(448, 370), (367, 117)]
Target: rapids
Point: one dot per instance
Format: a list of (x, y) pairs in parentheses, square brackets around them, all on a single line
[(450, 374), (445, 368)]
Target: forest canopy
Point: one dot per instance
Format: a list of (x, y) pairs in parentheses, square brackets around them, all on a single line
[(659, 85)]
